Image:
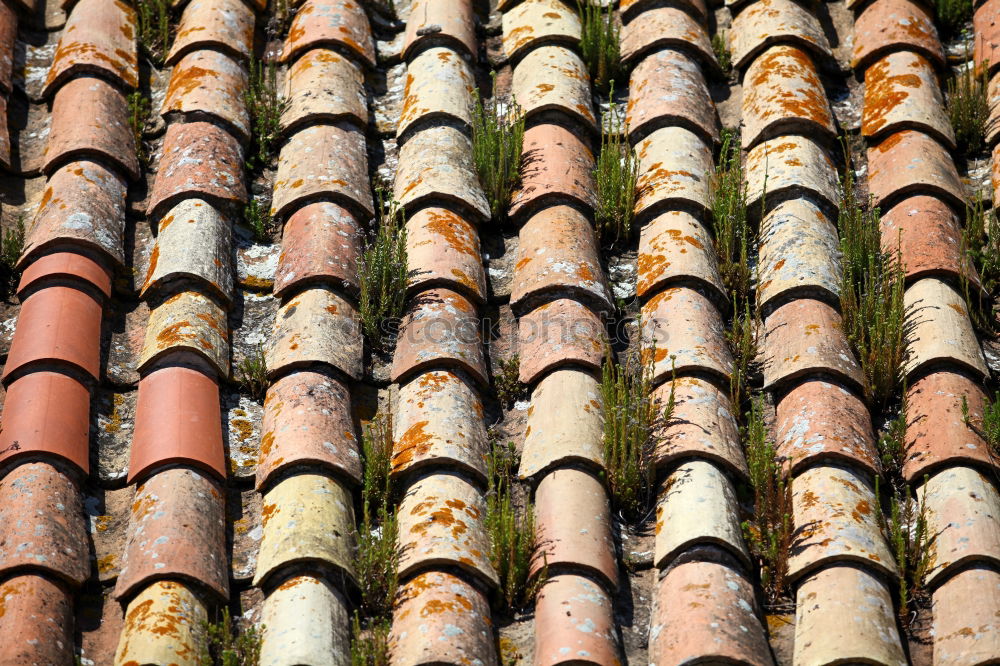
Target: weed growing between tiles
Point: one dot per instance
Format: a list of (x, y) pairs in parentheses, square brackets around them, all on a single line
[(11, 248), (720, 45), (257, 217), (382, 272), (616, 175), (600, 43), (138, 123), (969, 109), (497, 141), (265, 105), (154, 29), (988, 427), (228, 644), (505, 380), (251, 374), (370, 646), (952, 16), (980, 243)]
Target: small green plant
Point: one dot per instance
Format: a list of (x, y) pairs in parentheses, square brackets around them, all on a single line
[(741, 335), (509, 388), (769, 532), (617, 176), (382, 271), (251, 373), (988, 426), (370, 644), (980, 244), (257, 216), (154, 29), (600, 42), (891, 444), (720, 44), (952, 15), (969, 108), (497, 141), (735, 237), (911, 543), (229, 645), (265, 105), (11, 248), (138, 122)]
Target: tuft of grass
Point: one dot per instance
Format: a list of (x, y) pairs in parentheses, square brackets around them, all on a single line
[(154, 29), (769, 532), (720, 44), (735, 237), (911, 543), (382, 271), (980, 243), (138, 122), (617, 176), (600, 43), (952, 16), (251, 373), (497, 141), (230, 645), (257, 216), (741, 335), (11, 249), (512, 539), (969, 108), (265, 105), (370, 644), (508, 387)]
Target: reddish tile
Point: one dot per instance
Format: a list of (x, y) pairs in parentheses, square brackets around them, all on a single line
[(177, 530), (926, 231), (99, 37), (581, 541), (442, 248), (554, 78), (941, 329), (902, 92), (439, 422), (321, 242), (574, 623), (667, 28), (8, 35), (316, 326), (986, 27), (4, 135), (630, 9), (226, 25), (668, 88), (187, 321), (993, 102), (445, 22), (209, 82), (57, 325), (536, 22), (164, 624), (966, 609), (307, 420), (806, 337), (799, 252), (910, 162), (788, 167), (46, 414), (556, 165), (676, 247), (817, 421), (200, 160), (83, 204), (331, 23), (37, 621), (706, 613), (42, 523), (439, 85), (936, 430), (435, 167), (440, 618), (674, 168), (558, 253), (769, 22), (894, 25), (440, 328), (683, 330), (563, 332), (305, 620), (322, 85), (66, 266), (783, 95)]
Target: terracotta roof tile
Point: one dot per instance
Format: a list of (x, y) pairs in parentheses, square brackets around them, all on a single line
[(894, 25), (445, 22), (902, 92), (927, 233), (5, 160), (439, 86), (535, 22), (316, 325), (163, 624), (667, 28), (965, 621), (542, 182), (799, 252), (554, 78), (563, 332), (674, 168), (941, 329), (322, 85), (226, 25), (68, 266), (305, 621), (910, 162), (787, 167), (575, 622), (986, 27), (675, 247), (683, 328), (37, 621), (8, 36), (209, 83), (766, 23), (321, 243), (630, 9), (338, 23), (993, 101), (442, 249), (668, 89), (187, 321)]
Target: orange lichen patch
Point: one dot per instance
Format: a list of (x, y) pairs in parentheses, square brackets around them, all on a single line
[(267, 513), (243, 429), (885, 92), (415, 442), (185, 80), (107, 563), (890, 142)]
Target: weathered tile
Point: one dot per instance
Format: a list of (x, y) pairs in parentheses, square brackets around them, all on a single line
[(5, 160), (789, 167), (226, 25), (209, 82), (674, 168), (306, 518), (439, 85), (65, 266), (806, 337), (164, 624), (439, 328), (668, 88), (435, 165), (986, 27), (783, 95), (325, 86), (99, 37), (926, 232), (769, 22), (706, 613), (965, 611), (57, 324), (558, 253), (538, 21), (565, 423), (697, 506), (582, 542), (307, 420), (844, 614), (8, 36), (37, 621), (894, 25), (941, 328), (910, 162), (835, 520), (993, 102), (83, 204), (305, 620), (683, 330), (188, 321), (331, 23), (440, 525), (554, 78), (316, 326), (675, 247), (630, 9), (902, 92), (89, 119), (46, 414), (321, 242), (574, 623), (440, 618), (562, 332), (556, 167), (42, 523), (799, 252), (201, 160), (667, 28), (327, 161), (446, 22), (442, 248)]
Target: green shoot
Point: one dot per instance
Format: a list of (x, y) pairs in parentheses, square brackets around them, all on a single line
[(497, 140), (616, 175), (382, 271), (600, 42)]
